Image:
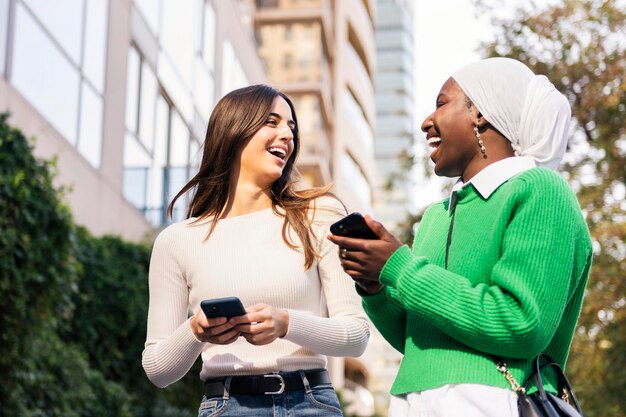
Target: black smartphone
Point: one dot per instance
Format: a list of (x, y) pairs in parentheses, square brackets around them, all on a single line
[(353, 225), (222, 307)]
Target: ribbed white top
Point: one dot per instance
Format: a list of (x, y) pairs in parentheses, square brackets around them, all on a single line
[(246, 257)]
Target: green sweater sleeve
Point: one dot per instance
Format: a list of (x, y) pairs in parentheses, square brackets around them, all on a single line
[(518, 310), (385, 307)]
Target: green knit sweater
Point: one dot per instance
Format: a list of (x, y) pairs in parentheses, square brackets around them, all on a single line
[(518, 263)]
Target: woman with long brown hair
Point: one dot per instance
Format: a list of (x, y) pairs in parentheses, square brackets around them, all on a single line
[(252, 235)]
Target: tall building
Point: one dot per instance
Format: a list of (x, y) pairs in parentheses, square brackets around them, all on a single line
[(322, 54), (395, 126), (394, 136), (120, 92)]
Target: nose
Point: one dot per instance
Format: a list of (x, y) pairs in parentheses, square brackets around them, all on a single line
[(427, 123), (285, 134)]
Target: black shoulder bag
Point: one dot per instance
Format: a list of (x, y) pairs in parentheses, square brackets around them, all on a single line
[(542, 403)]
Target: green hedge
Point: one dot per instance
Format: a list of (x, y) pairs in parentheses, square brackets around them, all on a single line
[(73, 307), (110, 323)]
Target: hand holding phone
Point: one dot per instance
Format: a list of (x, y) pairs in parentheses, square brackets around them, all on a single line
[(223, 333), (222, 307), (353, 225)]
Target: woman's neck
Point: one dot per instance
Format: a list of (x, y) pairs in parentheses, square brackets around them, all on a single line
[(247, 199), (498, 148)]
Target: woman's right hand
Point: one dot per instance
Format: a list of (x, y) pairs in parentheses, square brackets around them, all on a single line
[(214, 330)]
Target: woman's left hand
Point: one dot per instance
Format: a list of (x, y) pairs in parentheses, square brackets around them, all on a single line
[(363, 259), (262, 324)]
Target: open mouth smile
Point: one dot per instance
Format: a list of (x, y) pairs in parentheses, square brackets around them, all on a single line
[(278, 152), (434, 142)]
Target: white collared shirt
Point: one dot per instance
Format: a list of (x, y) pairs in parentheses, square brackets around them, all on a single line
[(493, 176)]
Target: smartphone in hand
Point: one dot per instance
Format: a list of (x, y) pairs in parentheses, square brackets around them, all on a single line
[(222, 307), (353, 225)]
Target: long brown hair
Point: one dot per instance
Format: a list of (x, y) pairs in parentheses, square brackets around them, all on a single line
[(234, 120)]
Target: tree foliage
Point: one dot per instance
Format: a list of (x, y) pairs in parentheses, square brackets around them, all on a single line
[(73, 308), (109, 323), (41, 374), (580, 46)]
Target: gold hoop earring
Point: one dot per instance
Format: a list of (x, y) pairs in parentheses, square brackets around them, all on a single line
[(483, 150)]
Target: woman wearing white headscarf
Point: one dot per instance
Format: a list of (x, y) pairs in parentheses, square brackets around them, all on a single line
[(497, 271)]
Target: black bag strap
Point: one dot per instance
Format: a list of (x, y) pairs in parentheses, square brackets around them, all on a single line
[(563, 386)]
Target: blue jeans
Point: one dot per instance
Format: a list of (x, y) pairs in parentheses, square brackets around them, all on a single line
[(318, 401)]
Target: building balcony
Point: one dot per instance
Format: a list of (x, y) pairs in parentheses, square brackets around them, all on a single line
[(314, 159), (290, 11)]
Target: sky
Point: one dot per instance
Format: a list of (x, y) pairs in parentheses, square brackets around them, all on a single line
[(447, 36)]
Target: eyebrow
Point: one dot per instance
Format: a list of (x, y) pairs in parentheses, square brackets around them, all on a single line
[(291, 123)]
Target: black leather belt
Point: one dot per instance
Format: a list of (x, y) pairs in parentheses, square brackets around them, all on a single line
[(265, 384)]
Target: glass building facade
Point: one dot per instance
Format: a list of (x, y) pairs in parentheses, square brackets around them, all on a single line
[(121, 93), (59, 51)]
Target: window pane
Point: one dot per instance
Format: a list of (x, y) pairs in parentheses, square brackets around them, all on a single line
[(177, 174), (149, 89), (204, 90), (135, 155), (156, 194), (64, 20), (156, 216), (195, 157), (132, 89), (161, 132), (208, 44), (44, 76), (136, 165), (135, 180), (176, 89), (179, 142), (178, 39), (95, 42), (4, 26), (177, 178), (233, 76), (149, 9), (90, 133)]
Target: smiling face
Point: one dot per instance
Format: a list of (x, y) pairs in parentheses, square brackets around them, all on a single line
[(266, 153), (450, 131)]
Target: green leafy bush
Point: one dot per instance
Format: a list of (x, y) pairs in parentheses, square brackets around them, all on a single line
[(37, 270), (73, 310), (110, 323)]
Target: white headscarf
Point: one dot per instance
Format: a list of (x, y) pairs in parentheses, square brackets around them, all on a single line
[(526, 108)]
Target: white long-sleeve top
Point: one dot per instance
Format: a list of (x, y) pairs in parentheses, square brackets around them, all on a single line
[(246, 257)]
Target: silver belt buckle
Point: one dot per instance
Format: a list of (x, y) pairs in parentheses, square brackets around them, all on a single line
[(281, 381)]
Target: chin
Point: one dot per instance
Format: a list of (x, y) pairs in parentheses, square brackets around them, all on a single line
[(272, 178), (445, 172)]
